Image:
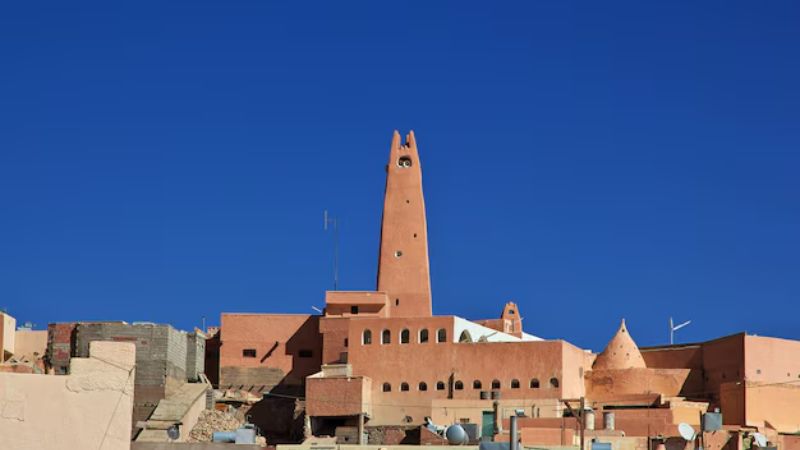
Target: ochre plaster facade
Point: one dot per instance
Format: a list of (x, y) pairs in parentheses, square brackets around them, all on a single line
[(89, 409)]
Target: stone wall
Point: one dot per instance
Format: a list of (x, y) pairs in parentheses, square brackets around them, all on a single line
[(160, 358), (195, 355), (60, 340)]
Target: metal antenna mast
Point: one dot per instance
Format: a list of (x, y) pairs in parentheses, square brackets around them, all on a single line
[(673, 328), (335, 224)]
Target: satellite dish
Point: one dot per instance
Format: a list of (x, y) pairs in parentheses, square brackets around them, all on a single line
[(174, 432), (456, 435), (760, 439), (686, 431)]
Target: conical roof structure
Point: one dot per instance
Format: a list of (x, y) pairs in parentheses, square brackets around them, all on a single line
[(620, 353)]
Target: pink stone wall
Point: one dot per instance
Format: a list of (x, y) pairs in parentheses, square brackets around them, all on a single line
[(531, 437), (448, 363), (345, 396), (280, 342), (608, 384)]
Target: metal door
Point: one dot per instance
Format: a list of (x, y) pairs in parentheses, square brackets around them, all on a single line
[(487, 425)]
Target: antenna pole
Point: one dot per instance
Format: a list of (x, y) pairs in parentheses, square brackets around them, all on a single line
[(673, 328), (332, 220), (335, 255)]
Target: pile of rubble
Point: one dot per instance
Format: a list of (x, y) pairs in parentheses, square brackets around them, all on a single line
[(210, 421)]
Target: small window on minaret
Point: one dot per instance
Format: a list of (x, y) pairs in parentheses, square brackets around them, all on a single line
[(404, 162), (398, 254)]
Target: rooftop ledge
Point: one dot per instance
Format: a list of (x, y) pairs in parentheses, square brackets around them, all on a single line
[(355, 298)]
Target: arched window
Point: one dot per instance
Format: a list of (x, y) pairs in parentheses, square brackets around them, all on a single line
[(459, 385), (534, 383), (465, 337), (404, 386), (440, 385), (405, 336), (386, 337), (441, 335), (554, 382), (423, 386), (387, 387), (495, 384), (476, 384), (366, 337), (515, 384), (423, 335)]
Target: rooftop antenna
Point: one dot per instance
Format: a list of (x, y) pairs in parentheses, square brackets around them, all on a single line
[(673, 328), (327, 220)]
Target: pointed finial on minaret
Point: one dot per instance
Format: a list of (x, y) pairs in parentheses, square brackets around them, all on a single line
[(396, 140), (411, 142)]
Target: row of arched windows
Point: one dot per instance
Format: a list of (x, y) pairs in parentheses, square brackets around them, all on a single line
[(405, 336), (459, 385)]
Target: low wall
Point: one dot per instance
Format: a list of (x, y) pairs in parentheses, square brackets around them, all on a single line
[(192, 446), (88, 409)]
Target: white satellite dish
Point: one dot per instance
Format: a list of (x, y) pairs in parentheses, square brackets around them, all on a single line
[(686, 431), (760, 439)]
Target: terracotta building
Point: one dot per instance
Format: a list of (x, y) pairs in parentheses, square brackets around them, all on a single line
[(381, 358)]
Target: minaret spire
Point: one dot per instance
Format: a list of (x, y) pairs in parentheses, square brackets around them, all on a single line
[(403, 267)]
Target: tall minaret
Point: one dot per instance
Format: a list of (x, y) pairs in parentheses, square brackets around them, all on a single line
[(403, 269)]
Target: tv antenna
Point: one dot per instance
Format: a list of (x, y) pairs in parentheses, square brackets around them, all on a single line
[(327, 220), (673, 328)]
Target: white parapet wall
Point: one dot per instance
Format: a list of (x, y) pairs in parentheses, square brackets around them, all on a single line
[(477, 332), (89, 409)]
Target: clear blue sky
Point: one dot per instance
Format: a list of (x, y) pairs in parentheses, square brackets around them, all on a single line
[(167, 161)]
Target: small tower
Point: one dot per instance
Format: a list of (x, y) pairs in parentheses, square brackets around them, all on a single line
[(512, 319), (620, 353), (403, 267)]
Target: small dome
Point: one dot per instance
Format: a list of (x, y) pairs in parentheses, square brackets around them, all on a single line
[(620, 353)]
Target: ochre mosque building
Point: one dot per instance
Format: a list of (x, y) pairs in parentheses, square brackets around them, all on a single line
[(380, 358)]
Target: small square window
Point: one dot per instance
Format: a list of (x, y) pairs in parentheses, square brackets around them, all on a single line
[(354, 310), (249, 353)]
